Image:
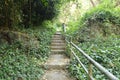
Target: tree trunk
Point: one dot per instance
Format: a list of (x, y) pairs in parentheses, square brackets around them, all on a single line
[(92, 2), (13, 14), (117, 3), (6, 13), (98, 1), (30, 12)]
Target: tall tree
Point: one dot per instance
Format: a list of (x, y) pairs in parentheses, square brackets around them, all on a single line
[(26, 12), (92, 2), (30, 11), (117, 3)]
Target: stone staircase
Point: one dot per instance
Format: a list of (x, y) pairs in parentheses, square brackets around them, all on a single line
[(57, 62)]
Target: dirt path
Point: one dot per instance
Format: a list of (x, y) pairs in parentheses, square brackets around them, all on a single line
[(57, 62)]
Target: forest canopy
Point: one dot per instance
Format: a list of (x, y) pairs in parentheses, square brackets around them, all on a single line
[(26, 12)]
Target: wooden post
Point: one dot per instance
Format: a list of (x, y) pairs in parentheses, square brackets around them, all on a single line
[(90, 71), (63, 25), (71, 47)]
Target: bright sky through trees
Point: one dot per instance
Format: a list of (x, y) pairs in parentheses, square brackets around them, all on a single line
[(73, 10)]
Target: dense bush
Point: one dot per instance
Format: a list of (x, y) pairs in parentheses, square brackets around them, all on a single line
[(107, 54), (98, 36), (19, 62), (27, 12), (105, 15), (15, 64)]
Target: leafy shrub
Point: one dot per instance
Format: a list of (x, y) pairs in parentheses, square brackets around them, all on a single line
[(98, 35), (16, 64), (107, 54), (19, 62)]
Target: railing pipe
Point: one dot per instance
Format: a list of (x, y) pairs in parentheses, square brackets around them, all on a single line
[(91, 78), (101, 68)]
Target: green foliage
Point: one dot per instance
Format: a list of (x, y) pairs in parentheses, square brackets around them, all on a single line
[(26, 12), (101, 16), (42, 10), (98, 36), (16, 64), (44, 38), (103, 20), (73, 26), (19, 62), (48, 24), (76, 70), (69, 13), (107, 54)]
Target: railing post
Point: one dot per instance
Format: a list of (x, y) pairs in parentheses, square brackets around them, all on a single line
[(70, 39), (90, 71), (64, 27), (71, 47)]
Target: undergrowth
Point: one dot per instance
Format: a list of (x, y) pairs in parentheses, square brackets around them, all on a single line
[(107, 54), (20, 63), (98, 36)]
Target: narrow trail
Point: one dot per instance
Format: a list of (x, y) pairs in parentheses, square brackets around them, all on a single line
[(57, 62)]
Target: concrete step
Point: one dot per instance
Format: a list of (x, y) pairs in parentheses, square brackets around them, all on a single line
[(57, 47), (58, 41), (58, 44), (56, 75), (58, 33), (62, 50), (57, 51), (57, 36), (57, 61)]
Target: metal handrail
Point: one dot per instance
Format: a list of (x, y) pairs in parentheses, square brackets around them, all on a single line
[(92, 61), (85, 69)]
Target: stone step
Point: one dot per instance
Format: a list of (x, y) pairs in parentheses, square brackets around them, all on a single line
[(58, 33), (57, 61), (57, 47), (57, 36), (51, 66), (58, 41), (56, 75), (58, 44), (60, 38), (57, 51)]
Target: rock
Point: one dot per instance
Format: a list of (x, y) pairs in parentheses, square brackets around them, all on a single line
[(9, 37)]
